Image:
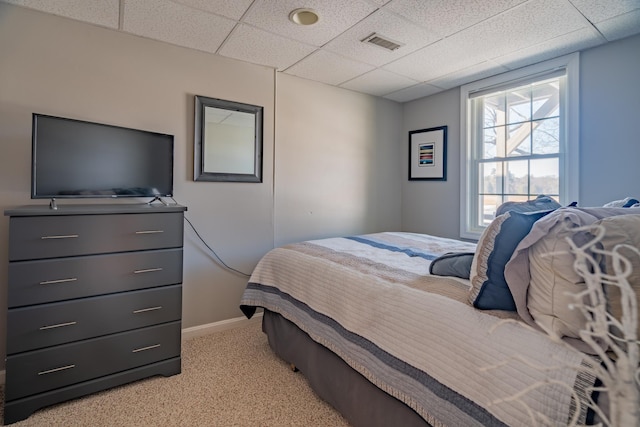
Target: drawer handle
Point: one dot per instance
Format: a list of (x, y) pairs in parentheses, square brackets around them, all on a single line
[(150, 232), (59, 325), (65, 236), (145, 348), (147, 270), (51, 282), (51, 371), (144, 310)]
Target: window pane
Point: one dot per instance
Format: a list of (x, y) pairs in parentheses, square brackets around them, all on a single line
[(519, 105), (545, 176), (487, 207), (516, 179), (519, 142), (546, 99), (489, 143), (512, 198), (491, 178), (494, 107), (546, 136)]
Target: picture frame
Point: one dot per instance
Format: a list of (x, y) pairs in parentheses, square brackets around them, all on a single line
[(227, 141), (428, 154)]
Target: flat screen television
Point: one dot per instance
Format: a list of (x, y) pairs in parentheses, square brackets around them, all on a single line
[(79, 159)]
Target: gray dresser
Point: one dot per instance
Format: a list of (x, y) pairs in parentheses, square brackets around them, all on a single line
[(94, 300)]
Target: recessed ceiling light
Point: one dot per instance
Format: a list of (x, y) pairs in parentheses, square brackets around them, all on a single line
[(304, 16)]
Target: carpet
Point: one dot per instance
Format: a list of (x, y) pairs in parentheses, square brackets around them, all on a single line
[(229, 378)]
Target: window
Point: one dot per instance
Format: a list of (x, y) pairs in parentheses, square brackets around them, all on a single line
[(519, 139)]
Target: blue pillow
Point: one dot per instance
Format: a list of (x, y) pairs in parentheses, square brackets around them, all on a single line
[(489, 290), (540, 203), (457, 264)]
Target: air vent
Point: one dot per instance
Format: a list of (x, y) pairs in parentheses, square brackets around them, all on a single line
[(382, 41)]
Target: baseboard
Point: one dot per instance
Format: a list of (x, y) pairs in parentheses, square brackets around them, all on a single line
[(223, 325), (200, 330)]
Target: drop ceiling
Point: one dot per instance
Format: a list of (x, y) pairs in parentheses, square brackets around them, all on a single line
[(444, 43)]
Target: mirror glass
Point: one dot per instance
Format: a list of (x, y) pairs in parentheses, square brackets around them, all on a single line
[(228, 141)]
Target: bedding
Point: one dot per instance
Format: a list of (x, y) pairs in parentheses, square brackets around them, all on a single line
[(371, 301), (539, 284)]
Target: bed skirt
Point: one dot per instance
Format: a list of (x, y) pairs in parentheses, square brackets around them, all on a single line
[(357, 399)]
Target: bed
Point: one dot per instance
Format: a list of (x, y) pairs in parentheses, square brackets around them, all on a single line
[(387, 343)]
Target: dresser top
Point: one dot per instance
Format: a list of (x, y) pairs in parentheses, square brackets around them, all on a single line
[(94, 209)]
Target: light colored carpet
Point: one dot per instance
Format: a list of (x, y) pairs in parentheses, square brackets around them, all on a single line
[(230, 378)]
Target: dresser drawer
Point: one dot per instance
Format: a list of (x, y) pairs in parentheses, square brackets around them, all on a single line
[(35, 327), (39, 237), (51, 368), (41, 281)]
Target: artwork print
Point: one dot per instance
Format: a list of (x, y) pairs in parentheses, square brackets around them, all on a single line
[(428, 154)]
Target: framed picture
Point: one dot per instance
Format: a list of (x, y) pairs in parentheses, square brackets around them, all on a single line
[(428, 154)]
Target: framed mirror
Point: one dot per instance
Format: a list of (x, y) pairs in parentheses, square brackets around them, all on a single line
[(228, 141)]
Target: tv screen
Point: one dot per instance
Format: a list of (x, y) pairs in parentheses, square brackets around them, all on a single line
[(75, 159)]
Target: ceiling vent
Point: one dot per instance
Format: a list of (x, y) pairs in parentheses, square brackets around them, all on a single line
[(382, 41)]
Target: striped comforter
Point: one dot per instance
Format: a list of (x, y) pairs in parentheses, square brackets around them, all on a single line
[(371, 300)]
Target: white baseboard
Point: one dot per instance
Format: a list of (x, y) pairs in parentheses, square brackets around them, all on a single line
[(198, 331), (223, 325)]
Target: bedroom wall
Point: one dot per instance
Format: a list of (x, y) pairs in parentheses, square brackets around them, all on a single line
[(337, 170), (609, 142), (57, 66), (609, 116)]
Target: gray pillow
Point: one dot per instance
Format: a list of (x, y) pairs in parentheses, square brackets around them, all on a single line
[(540, 203), (457, 264)]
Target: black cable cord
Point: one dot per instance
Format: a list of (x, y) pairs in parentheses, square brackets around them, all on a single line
[(210, 248), (214, 252)]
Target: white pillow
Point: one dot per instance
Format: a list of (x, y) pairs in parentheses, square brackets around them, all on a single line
[(552, 277)]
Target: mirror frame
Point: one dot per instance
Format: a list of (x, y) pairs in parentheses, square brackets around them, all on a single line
[(199, 171)]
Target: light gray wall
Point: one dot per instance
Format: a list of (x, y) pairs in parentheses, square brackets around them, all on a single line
[(337, 169), (432, 207), (610, 122), (609, 140), (62, 67)]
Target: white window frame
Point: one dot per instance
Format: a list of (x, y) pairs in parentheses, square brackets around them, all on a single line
[(569, 154)]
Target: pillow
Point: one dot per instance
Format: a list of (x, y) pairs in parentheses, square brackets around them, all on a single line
[(622, 230), (535, 281), (540, 203), (457, 264), (489, 290), (627, 202), (554, 281)]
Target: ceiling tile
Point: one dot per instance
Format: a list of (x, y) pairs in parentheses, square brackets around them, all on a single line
[(413, 92), (620, 26), (100, 12), (526, 25), (378, 82), (233, 9), (387, 25), (562, 45), (335, 17), (436, 60), (469, 74), (598, 10), (250, 44), (446, 17), (175, 23), (328, 67)]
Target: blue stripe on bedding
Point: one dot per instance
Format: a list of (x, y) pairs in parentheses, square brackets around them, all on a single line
[(467, 406), (376, 244)]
